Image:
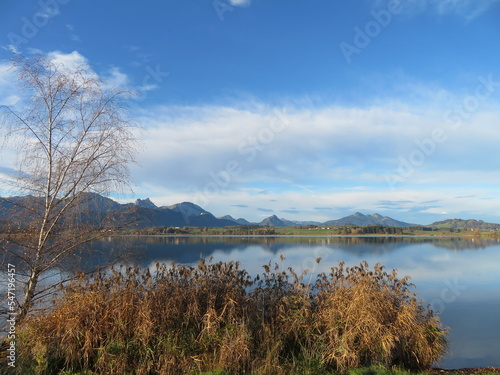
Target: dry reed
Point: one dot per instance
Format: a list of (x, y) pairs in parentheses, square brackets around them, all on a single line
[(215, 317)]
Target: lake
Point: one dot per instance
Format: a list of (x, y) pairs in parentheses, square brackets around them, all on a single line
[(458, 277)]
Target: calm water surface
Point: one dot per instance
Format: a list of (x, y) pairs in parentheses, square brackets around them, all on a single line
[(459, 278)]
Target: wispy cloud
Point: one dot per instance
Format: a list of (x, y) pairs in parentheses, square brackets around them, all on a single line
[(394, 203), (291, 211), (117, 78), (8, 83), (71, 29), (466, 9), (241, 3), (469, 9), (265, 210)]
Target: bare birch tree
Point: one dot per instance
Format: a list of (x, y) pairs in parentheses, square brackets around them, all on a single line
[(73, 137)]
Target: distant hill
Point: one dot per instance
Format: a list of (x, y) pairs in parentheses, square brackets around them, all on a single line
[(239, 221), (101, 211), (464, 224), (186, 208), (23, 211), (145, 203), (299, 222), (362, 220), (143, 217), (178, 215), (272, 221), (15, 211)]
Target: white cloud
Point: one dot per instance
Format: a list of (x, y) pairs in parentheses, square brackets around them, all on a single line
[(65, 61), (322, 141), (7, 176), (468, 9), (8, 83), (148, 87), (11, 48), (219, 154), (116, 78), (68, 61), (74, 61), (307, 156), (240, 2)]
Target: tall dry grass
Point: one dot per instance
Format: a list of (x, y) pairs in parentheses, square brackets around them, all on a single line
[(215, 317), (370, 317)]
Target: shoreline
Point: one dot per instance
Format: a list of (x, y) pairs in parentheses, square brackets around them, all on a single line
[(304, 235), (466, 370)]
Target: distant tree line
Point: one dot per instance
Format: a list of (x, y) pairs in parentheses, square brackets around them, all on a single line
[(240, 230), (371, 229), (258, 230)]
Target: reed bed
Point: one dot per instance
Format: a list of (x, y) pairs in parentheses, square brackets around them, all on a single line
[(216, 318)]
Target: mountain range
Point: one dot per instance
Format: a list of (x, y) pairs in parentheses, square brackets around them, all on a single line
[(143, 213)]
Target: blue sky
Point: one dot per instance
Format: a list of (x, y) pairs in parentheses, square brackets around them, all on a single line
[(306, 110)]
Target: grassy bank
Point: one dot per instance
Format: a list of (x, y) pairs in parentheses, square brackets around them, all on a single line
[(215, 317), (374, 370), (384, 371)]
